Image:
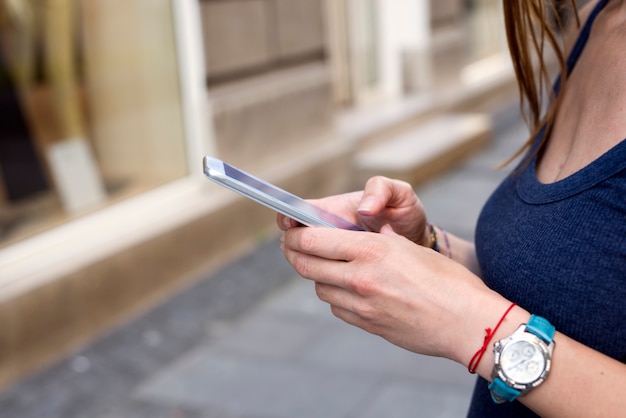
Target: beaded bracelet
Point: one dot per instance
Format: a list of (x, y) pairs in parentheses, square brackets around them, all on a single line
[(434, 243)]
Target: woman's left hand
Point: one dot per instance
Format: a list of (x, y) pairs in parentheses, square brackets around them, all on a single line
[(389, 286)]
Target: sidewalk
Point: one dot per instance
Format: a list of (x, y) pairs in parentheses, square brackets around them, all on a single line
[(252, 341)]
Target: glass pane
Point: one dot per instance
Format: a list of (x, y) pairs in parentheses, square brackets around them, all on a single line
[(485, 28), (91, 108)]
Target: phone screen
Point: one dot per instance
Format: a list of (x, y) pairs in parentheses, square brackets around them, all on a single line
[(274, 197)]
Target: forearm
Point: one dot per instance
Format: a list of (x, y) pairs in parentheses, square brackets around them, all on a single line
[(583, 382)]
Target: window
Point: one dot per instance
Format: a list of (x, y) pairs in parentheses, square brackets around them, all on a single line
[(92, 109)]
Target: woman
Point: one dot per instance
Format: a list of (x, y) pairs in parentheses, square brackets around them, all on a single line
[(550, 252)]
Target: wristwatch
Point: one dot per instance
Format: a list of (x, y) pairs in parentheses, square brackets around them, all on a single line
[(522, 360)]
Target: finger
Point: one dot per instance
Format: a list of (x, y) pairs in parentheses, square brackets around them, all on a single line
[(282, 221), (328, 243), (320, 270), (333, 295), (285, 223), (351, 318), (343, 205), (381, 192), (376, 194), (344, 271), (344, 304)]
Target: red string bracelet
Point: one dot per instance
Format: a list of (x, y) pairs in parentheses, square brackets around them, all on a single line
[(473, 364)]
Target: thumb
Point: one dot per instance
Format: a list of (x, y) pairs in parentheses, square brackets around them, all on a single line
[(377, 193), (370, 205)]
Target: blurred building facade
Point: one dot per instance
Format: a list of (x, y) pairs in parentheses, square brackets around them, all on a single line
[(109, 106)]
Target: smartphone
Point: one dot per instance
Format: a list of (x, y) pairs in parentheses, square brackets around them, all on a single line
[(271, 196)]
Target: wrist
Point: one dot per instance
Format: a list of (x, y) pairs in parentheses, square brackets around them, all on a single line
[(516, 317), (488, 317), (489, 334)]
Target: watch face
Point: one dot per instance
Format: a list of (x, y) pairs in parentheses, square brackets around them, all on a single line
[(522, 362)]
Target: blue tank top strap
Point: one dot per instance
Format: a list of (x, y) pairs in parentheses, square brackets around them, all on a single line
[(572, 59)]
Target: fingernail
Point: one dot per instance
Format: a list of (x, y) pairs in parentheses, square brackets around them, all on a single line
[(366, 205)]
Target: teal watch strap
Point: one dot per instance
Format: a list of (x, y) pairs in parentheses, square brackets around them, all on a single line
[(501, 392), (540, 327), (505, 389)]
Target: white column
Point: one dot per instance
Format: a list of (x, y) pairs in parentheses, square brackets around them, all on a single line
[(404, 25), (197, 112)]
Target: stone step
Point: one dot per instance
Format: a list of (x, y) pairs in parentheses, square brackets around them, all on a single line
[(266, 119), (424, 151)]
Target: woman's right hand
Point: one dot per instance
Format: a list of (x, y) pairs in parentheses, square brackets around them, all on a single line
[(383, 201)]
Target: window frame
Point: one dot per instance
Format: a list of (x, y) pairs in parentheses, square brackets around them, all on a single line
[(77, 243)]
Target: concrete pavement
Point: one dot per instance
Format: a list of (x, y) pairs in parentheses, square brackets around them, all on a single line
[(252, 341)]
